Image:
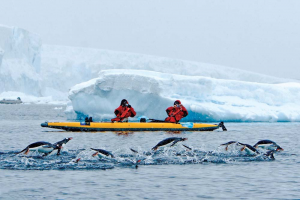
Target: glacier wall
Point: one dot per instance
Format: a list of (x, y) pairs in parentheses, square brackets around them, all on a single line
[(20, 61), (207, 99)]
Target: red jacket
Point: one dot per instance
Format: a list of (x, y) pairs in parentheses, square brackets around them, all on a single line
[(123, 112), (176, 113)]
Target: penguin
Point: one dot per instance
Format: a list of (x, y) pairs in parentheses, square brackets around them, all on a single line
[(268, 145), (250, 150), (102, 153), (61, 144), (164, 142), (41, 147)]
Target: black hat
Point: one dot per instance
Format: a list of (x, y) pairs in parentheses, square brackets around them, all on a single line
[(177, 102), (123, 102)]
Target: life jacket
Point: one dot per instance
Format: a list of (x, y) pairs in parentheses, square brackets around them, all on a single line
[(176, 114), (123, 112)]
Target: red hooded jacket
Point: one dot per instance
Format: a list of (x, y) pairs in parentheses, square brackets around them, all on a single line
[(123, 112), (176, 113)]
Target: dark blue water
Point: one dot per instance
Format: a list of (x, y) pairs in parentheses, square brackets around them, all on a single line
[(207, 171)]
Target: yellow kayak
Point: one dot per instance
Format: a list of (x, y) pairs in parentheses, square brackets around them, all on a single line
[(132, 126)]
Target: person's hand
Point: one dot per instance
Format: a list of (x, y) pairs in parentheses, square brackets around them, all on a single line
[(129, 106)]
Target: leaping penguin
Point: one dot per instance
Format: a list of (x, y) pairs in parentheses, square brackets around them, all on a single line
[(167, 141), (268, 145), (41, 147)]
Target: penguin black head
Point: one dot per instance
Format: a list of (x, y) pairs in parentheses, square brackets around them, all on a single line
[(64, 141)]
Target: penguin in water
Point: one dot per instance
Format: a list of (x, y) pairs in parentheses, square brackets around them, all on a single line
[(41, 147), (268, 145), (164, 142), (102, 153), (61, 144)]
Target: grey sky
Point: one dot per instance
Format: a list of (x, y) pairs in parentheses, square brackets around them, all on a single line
[(258, 35)]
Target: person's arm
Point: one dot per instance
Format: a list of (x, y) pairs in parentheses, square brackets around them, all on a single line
[(117, 112), (168, 110), (132, 111), (184, 110)]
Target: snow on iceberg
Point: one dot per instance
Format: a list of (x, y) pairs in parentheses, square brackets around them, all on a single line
[(207, 99), (71, 64)]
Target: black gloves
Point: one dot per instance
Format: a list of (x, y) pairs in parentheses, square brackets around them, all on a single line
[(129, 106)]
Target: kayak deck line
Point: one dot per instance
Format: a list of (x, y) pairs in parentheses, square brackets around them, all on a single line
[(132, 126)]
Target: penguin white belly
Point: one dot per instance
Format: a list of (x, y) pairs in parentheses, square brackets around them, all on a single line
[(44, 149), (100, 155), (249, 152), (267, 146)]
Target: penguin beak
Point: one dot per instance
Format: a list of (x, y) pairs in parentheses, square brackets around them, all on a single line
[(70, 138), (279, 149), (184, 139)]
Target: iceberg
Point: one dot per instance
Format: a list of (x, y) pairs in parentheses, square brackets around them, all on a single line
[(207, 99), (96, 80)]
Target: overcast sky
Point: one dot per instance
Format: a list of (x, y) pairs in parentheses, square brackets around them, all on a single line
[(257, 35)]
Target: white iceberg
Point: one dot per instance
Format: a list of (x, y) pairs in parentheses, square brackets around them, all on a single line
[(207, 99)]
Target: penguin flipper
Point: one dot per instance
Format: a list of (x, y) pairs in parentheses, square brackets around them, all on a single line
[(173, 143), (134, 151), (46, 154), (189, 148)]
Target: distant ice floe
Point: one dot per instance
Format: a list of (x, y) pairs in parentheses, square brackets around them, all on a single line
[(207, 99), (28, 99)]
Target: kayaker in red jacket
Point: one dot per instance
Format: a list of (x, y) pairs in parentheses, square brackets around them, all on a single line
[(176, 112), (123, 112)]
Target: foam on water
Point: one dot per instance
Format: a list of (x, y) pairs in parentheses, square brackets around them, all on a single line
[(177, 155)]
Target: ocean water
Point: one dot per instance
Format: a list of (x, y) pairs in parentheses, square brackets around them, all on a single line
[(207, 171)]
